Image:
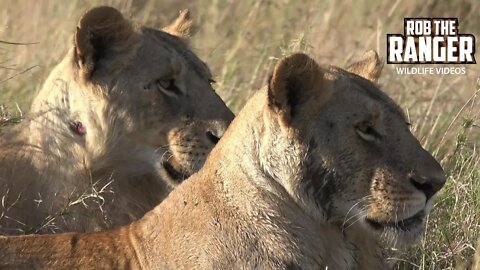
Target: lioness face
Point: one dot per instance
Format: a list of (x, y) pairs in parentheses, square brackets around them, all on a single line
[(160, 92), (362, 165), (177, 115), (383, 176)]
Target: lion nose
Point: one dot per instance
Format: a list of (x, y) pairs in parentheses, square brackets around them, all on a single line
[(212, 137), (431, 182), (215, 131)]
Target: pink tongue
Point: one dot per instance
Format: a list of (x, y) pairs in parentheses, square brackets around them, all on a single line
[(78, 128)]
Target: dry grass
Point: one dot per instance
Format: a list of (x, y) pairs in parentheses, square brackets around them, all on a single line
[(7, 118), (241, 40)]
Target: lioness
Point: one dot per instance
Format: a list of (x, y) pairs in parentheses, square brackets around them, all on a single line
[(316, 170), (127, 115)]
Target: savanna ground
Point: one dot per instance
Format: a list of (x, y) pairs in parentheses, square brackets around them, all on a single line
[(241, 40)]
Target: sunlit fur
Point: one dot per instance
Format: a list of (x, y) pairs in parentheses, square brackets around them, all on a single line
[(54, 179), (290, 185)]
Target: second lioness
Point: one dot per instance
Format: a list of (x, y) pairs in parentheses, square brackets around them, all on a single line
[(318, 171), (127, 115)]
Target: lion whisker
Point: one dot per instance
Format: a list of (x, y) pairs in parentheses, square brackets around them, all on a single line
[(347, 218)]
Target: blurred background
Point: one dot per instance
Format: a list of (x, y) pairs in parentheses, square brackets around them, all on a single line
[(242, 40)]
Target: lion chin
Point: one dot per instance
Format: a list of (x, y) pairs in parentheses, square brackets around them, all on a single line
[(400, 234), (174, 172)]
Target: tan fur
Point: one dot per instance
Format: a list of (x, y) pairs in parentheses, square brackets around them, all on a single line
[(369, 67), (181, 26), (54, 179), (291, 185), (104, 25)]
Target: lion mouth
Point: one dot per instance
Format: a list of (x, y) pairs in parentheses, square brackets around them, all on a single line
[(176, 175), (407, 224)]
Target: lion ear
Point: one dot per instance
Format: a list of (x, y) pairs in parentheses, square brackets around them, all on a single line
[(292, 80), (181, 25), (369, 67), (101, 32)]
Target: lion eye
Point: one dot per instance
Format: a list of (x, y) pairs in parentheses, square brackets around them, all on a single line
[(168, 87), (166, 84), (366, 131), (212, 81)]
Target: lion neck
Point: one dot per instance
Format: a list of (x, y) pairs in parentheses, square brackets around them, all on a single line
[(268, 161), (262, 169)]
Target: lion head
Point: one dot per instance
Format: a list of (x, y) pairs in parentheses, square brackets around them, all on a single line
[(346, 153), (139, 86), (130, 109)]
